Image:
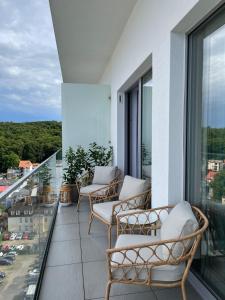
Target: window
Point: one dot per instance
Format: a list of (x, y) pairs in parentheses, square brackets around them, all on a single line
[(139, 127), (205, 166)]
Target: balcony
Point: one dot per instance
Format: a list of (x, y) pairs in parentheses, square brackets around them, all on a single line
[(76, 264)]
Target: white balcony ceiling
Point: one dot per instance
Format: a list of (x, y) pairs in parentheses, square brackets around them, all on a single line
[(86, 33)]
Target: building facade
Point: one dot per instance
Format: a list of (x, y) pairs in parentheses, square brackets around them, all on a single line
[(148, 77)]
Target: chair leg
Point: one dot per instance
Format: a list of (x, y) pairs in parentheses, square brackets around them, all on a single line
[(107, 292), (109, 235), (90, 222), (184, 296), (78, 202)]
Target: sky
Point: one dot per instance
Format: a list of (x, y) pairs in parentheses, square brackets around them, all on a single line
[(30, 75), (214, 79)]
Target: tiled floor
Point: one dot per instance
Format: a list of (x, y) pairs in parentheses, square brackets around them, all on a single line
[(76, 268)]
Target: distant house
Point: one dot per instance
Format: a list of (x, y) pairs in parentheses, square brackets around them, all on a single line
[(3, 188), (210, 176), (26, 166), (215, 165)]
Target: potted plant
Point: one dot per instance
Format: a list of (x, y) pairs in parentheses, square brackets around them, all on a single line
[(76, 163), (99, 155), (46, 193)]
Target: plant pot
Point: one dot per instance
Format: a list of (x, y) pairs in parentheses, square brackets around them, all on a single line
[(47, 198), (68, 194)]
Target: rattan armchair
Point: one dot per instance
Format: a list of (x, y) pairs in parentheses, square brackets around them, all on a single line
[(106, 210), (147, 260), (85, 185)]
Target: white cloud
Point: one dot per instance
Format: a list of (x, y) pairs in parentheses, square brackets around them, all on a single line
[(29, 67)]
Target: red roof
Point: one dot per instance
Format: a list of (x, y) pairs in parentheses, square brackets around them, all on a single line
[(25, 164), (3, 188), (210, 176)]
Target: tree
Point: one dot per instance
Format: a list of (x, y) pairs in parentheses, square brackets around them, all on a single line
[(218, 186), (10, 160)]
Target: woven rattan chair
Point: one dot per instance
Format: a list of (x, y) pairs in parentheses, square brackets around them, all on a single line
[(134, 196), (148, 260), (102, 180)]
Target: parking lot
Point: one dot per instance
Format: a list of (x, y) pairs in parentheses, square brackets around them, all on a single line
[(15, 280)]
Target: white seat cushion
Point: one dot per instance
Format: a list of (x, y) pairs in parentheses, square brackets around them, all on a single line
[(93, 187), (104, 175), (104, 210), (179, 223), (131, 187), (161, 273)]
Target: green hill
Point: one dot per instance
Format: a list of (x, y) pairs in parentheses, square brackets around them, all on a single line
[(34, 141)]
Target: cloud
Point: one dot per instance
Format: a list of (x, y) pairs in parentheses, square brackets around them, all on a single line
[(30, 74)]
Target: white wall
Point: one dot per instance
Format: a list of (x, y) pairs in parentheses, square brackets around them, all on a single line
[(158, 28), (85, 114)]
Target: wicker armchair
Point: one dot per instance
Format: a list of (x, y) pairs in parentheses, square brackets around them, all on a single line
[(106, 210), (88, 182), (148, 260)]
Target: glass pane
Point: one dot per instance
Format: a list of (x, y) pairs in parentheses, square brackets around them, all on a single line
[(211, 261), (146, 130), (26, 215)]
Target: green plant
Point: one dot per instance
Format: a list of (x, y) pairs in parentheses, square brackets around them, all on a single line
[(76, 162), (99, 155), (45, 175)]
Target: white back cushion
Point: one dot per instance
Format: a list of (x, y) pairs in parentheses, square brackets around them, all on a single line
[(104, 174), (179, 223), (132, 187)]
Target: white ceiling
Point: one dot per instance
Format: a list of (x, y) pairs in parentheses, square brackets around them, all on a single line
[(86, 33)]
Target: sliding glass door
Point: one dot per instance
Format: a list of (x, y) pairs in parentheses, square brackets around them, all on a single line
[(139, 128), (146, 126), (206, 144)]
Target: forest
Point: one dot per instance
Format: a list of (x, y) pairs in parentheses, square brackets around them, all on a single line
[(34, 141)]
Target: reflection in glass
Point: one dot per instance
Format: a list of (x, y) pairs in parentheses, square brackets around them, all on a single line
[(146, 130), (25, 220), (211, 265)]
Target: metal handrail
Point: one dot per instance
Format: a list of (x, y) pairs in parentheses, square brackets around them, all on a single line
[(14, 186)]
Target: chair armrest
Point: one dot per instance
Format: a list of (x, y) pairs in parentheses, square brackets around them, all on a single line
[(84, 180), (141, 222), (136, 202), (109, 192)]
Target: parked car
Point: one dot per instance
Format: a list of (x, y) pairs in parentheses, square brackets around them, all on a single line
[(19, 236), (12, 253), (35, 272), (6, 236), (9, 257), (5, 262), (2, 274), (26, 236), (5, 247), (13, 236), (20, 247)]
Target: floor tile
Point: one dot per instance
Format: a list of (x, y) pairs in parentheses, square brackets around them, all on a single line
[(175, 293), (66, 232), (67, 218), (66, 252), (97, 229), (62, 282), (95, 280), (139, 296), (84, 216), (94, 248)]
